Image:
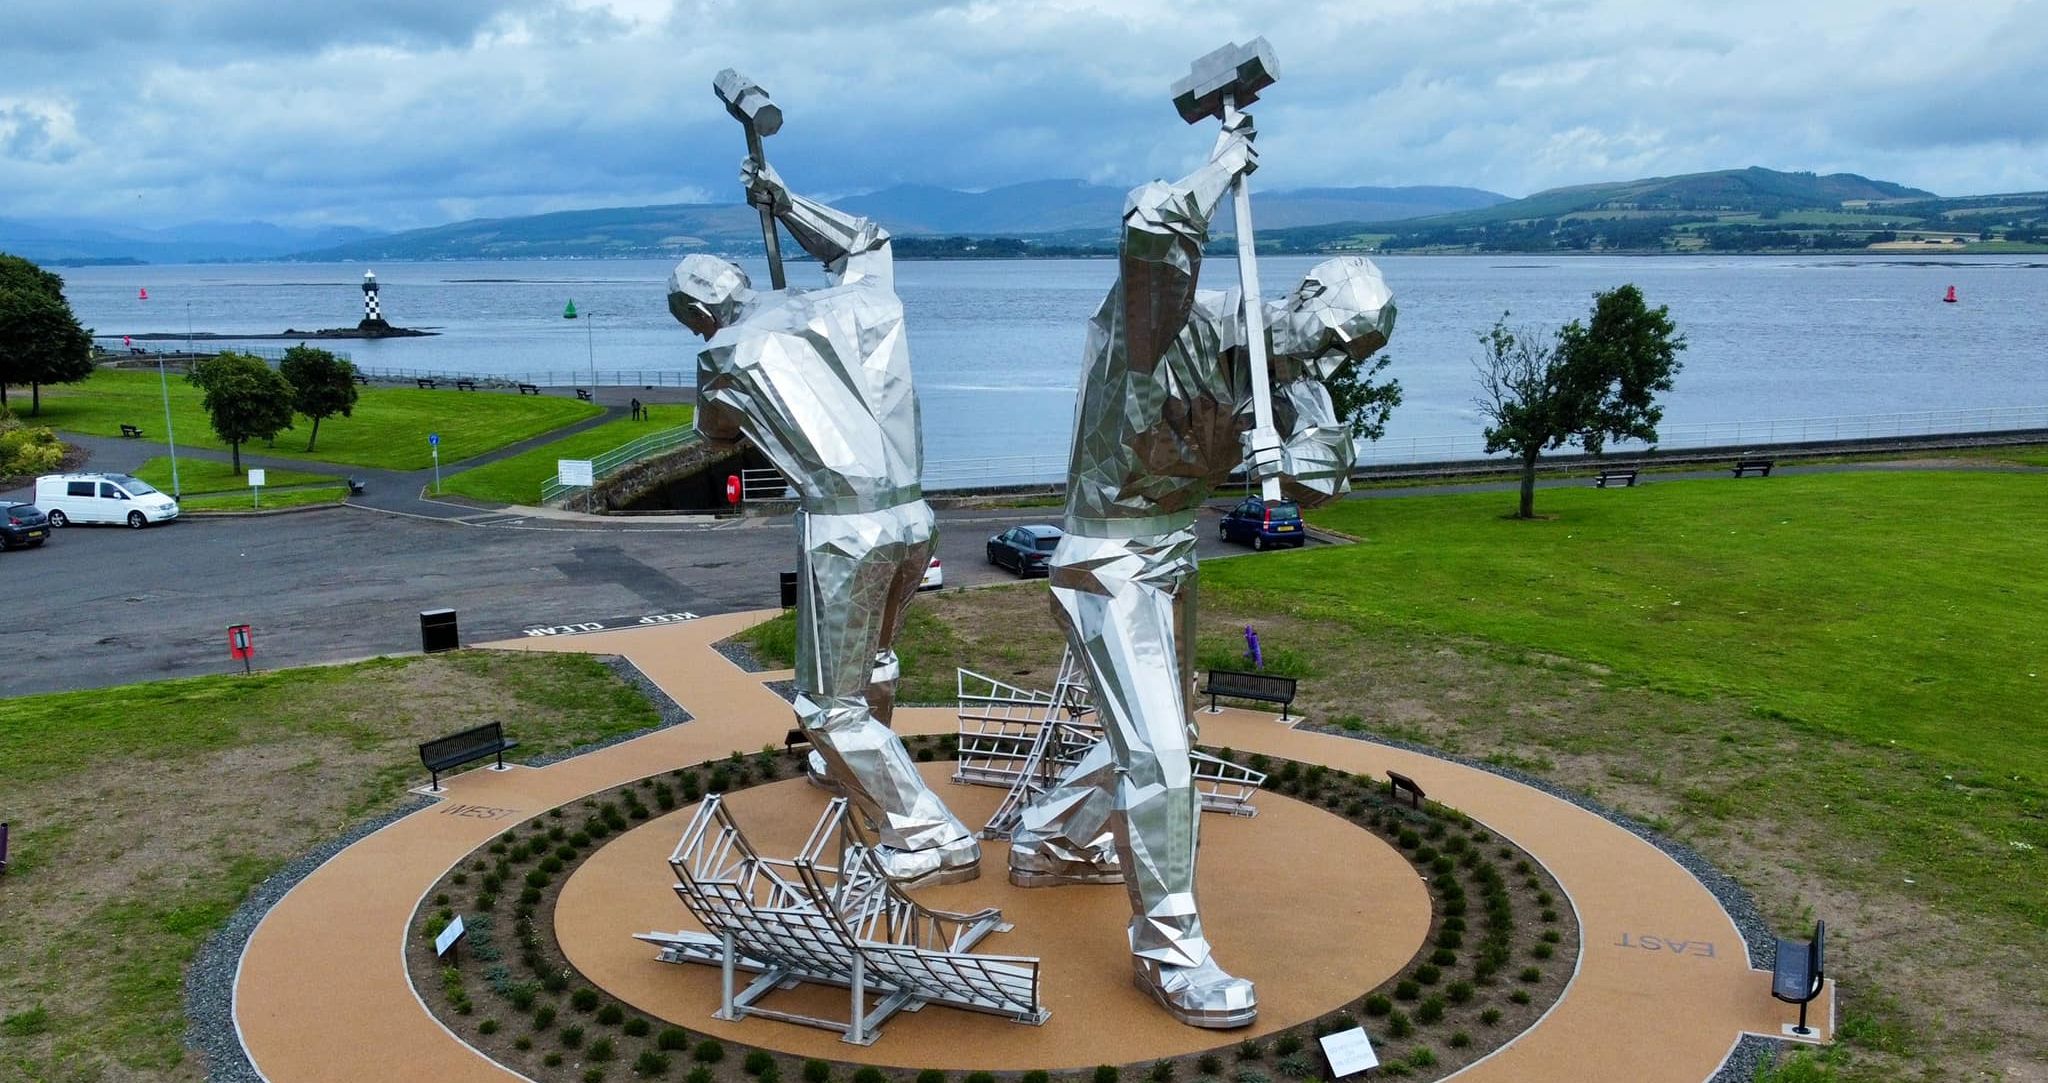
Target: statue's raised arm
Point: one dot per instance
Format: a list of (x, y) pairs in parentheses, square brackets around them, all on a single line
[(852, 248), (1160, 254)]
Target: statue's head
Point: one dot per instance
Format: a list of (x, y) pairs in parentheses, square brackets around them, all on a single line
[(706, 293), (1342, 309)]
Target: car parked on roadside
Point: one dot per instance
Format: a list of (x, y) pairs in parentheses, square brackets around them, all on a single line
[(1024, 549), (22, 524), (934, 576), (102, 498), (1261, 525)]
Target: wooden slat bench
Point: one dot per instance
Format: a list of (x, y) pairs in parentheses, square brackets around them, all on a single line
[(1626, 478), (1753, 466), (131, 432), (1263, 687)]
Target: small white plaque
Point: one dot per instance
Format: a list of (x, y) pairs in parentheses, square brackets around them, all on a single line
[(574, 472), (449, 936), (255, 477), (1349, 1052)]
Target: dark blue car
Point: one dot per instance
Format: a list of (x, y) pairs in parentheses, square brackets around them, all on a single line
[(1024, 549), (1263, 525)]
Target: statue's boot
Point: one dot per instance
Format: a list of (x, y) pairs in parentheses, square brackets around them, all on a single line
[(815, 770), (1201, 995), (1043, 863), (955, 861)]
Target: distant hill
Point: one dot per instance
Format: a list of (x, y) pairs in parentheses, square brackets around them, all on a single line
[(76, 241), (1733, 210), (1063, 211)]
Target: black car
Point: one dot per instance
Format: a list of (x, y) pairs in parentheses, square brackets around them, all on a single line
[(1024, 549), (23, 524), (1263, 524)]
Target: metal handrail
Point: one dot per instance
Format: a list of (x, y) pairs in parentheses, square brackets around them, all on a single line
[(622, 456)]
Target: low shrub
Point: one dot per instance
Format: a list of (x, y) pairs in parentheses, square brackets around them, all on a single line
[(1459, 1039), (611, 1015), (1407, 989), (1530, 974), (1490, 1016), (1105, 1073), (1520, 996), (981, 1077), (1378, 1004), (601, 1050), (571, 1037), (1295, 1067), (1430, 1011), (1422, 1057), (815, 1070), (757, 1061), (637, 1027), (544, 1017), (672, 1038), (1209, 1064), (1399, 1025), (1458, 992), (931, 1075), (584, 1000), (1287, 1045), (651, 1063), (488, 1026), (869, 1074), (1162, 1072), (593, 1074), (1250, 1050), (552, 1060), (708, 1051)]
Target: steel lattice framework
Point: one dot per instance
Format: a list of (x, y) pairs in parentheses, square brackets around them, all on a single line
[(836, 922)]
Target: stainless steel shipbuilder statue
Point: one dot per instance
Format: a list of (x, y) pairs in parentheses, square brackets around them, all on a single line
[(1167, 411), (819, 381)]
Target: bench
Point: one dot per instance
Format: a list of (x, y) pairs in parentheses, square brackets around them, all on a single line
[(1259, 686), (529, 389), (131, 432), (427, 384), (137, 351), (456, 749), (583, 393), (1753, 466), (361, 379), (355, 487), (465, 385), (1608, 477), (3, 849), (796, 740), (1396, 781), (1797, 975)]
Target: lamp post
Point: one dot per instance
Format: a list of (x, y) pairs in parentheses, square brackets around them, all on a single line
[(589, 343)]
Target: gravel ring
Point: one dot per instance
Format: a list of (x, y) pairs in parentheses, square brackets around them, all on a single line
[(210, 984), (1753, 1050), (785, 689), (741, 655)]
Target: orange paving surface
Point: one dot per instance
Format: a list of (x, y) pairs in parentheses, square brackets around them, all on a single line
[(1662, 992), (1364, 898)]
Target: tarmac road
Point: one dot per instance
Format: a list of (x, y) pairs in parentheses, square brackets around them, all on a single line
[(100, 606)]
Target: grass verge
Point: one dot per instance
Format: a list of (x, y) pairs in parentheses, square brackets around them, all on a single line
[(198, 477), (517, 479), (143, 815), (273, 499), (387, 431), (1841, 709)]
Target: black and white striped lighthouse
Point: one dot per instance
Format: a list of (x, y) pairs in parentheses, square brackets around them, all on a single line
[(373, 314)]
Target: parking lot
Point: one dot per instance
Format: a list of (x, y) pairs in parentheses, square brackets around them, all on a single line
[(100, 606)]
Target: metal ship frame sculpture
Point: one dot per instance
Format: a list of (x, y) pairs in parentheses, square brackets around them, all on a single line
[(831, 915)]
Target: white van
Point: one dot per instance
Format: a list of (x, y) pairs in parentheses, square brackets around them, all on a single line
[(103, 498)]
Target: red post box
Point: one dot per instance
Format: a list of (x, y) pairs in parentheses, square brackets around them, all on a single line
[(732, 488), (240, 646)]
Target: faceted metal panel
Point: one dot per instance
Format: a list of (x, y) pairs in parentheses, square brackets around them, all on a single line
[(819, 381)]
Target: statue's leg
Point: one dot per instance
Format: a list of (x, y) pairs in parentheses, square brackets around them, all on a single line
[(1067, 835), (919, 536), (1121, 601), (849, 563)]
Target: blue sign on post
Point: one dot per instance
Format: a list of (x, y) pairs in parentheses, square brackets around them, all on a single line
[(433, 439)]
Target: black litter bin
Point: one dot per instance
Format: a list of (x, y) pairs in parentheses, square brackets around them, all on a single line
[(437, 630), (789, 590)]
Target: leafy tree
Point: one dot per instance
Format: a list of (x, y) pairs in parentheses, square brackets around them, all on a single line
[(1361, 404), (244, 398), (322, 384), (40, 340), (1586, 384)]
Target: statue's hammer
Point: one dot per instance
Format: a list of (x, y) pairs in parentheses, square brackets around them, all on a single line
[(758, 114), (1219, 85)]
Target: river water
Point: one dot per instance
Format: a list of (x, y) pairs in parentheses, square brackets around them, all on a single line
[(996, 345)]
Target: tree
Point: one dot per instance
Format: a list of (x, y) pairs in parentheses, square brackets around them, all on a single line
[(244, 398), (322, 384), (1362, 405), (40, 340), (1586, 384)]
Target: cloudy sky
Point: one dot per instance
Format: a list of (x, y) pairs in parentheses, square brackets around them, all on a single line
[(398, 113)]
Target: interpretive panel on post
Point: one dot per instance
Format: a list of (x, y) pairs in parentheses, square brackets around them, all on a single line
[(1349, 1052), (574, 472)]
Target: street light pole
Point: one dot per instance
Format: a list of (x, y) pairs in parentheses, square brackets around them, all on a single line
[(590, 346), (170, 437)]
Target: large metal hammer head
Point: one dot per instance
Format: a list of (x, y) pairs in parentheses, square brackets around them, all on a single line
[(748, 103), (1235, 71)]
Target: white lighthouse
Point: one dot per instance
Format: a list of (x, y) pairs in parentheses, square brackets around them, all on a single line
[(373, 314)]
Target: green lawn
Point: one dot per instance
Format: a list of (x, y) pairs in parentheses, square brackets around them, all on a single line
[(272, 499), (201, 476), (517, 480), (1887, 607), (143, 814), (388, 430)]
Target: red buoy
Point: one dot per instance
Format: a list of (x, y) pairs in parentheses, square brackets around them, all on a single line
[(142, 294), (1951, 298)]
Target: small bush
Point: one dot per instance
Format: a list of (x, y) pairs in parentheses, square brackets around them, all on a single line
[(931, 1075), (1250, 1050), (1209, 1064), (708, 1051), (611, 1015), (1490, 1016), (700, 1074), (1422, 1057), (1443, 957), (637, 1027), (488, 1026), (1452, 938), (672, 1038), (815, 1070), (1251, 1075), (757, 1061), (1458, 992), (601, 1050), (1530, 974), (1105, 1073), (571, 1037), (651, 1063), (1460, 1039), (552, 1060), (1542, 951), (869, 1074), (593, 1074), (584, 1000), (1297, 1067), (981, 1077), (1286, 1045), (1162, 1072), (1378, 1004), (1037, 1075), (523, 1043), (1407, 989), (1430, 1011), (1409, 840), (555, 983), (1552, 936), (1520, 996), (1399, 1025), (544, 1017), (1550, 915)]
